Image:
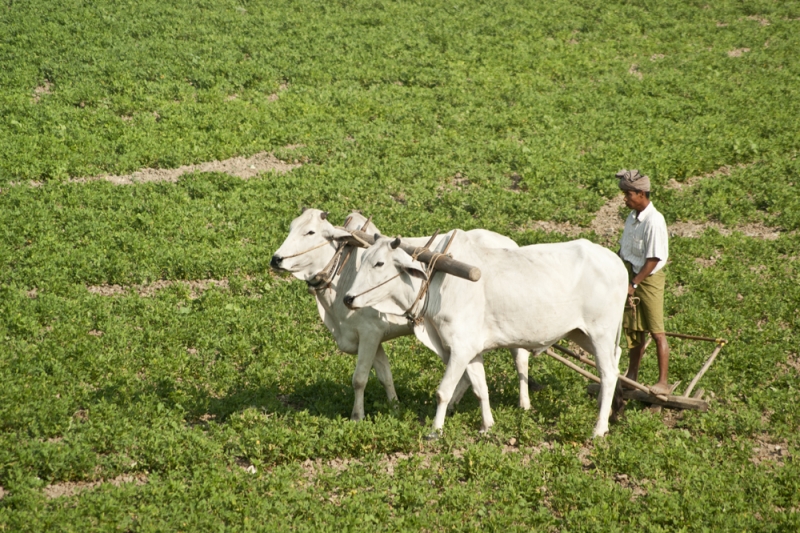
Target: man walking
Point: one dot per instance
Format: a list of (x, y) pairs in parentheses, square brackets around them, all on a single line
[(644, 249)]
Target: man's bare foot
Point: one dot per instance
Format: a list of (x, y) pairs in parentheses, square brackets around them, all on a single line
[(660, 388)]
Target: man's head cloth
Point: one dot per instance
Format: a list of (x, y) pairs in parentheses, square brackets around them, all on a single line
[(631, 180)]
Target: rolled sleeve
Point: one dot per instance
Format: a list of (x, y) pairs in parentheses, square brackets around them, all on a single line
[(656, 240)]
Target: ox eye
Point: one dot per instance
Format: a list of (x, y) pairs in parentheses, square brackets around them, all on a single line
[(310, 232), (379, 264)]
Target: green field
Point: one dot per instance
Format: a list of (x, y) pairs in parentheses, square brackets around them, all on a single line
[(146, 411)]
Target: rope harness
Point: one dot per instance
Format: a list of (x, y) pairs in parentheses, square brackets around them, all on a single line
[(417, 318), (323, 279)]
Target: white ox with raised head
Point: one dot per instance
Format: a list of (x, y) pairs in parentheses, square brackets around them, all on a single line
[(309, 249), (528, 297)]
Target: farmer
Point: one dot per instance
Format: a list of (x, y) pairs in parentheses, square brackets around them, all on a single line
[(644, 250)]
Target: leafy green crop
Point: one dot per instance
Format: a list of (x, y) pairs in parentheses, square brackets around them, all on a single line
[(425, 116)]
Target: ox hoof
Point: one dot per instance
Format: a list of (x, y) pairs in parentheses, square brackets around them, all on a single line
[(433, 435)]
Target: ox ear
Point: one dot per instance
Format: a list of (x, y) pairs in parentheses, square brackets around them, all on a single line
[(411, 267), (416, 270), (334, 233)]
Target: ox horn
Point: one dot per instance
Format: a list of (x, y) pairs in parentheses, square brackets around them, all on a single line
[(395, 243), (324, 215)]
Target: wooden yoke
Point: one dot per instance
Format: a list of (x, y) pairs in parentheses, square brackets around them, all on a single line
[(445, 264)]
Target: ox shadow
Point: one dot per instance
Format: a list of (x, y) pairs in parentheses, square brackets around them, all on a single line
[(322, 397)]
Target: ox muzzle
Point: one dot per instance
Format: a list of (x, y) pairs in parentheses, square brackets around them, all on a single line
[(348, 301), (276, 261)]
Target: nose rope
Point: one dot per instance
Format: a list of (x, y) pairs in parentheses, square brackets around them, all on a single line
[(305, 251), (376, 286)]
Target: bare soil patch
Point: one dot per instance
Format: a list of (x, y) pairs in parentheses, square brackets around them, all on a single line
[(548, 226), (45, 88), (636, 488), (274, 96), (634, 71), (724, 170), (312, 468), (765, 449), (761, 20), (242, 167), (792, 364), (459, 181), (671, 417), (2, 493), (737, 52), (757, 230), (708, 262), (608, 222), (196, 287), (71, 488)]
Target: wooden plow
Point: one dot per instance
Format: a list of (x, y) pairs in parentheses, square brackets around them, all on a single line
[(637, 391)]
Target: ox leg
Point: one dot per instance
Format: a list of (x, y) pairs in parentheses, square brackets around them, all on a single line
[(384, 373), (481, 390), (608, 383), (521, 357), (367, 348), (462, 386), (458, 394), (606, 356), (609, 372), (452, 375)]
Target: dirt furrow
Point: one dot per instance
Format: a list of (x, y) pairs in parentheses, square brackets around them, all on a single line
[(241, 167), (72, 488)]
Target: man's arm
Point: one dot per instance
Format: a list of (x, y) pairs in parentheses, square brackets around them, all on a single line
[(649, 264)]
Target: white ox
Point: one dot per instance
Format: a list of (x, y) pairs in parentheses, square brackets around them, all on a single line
[(309, 248), (529, 297)]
